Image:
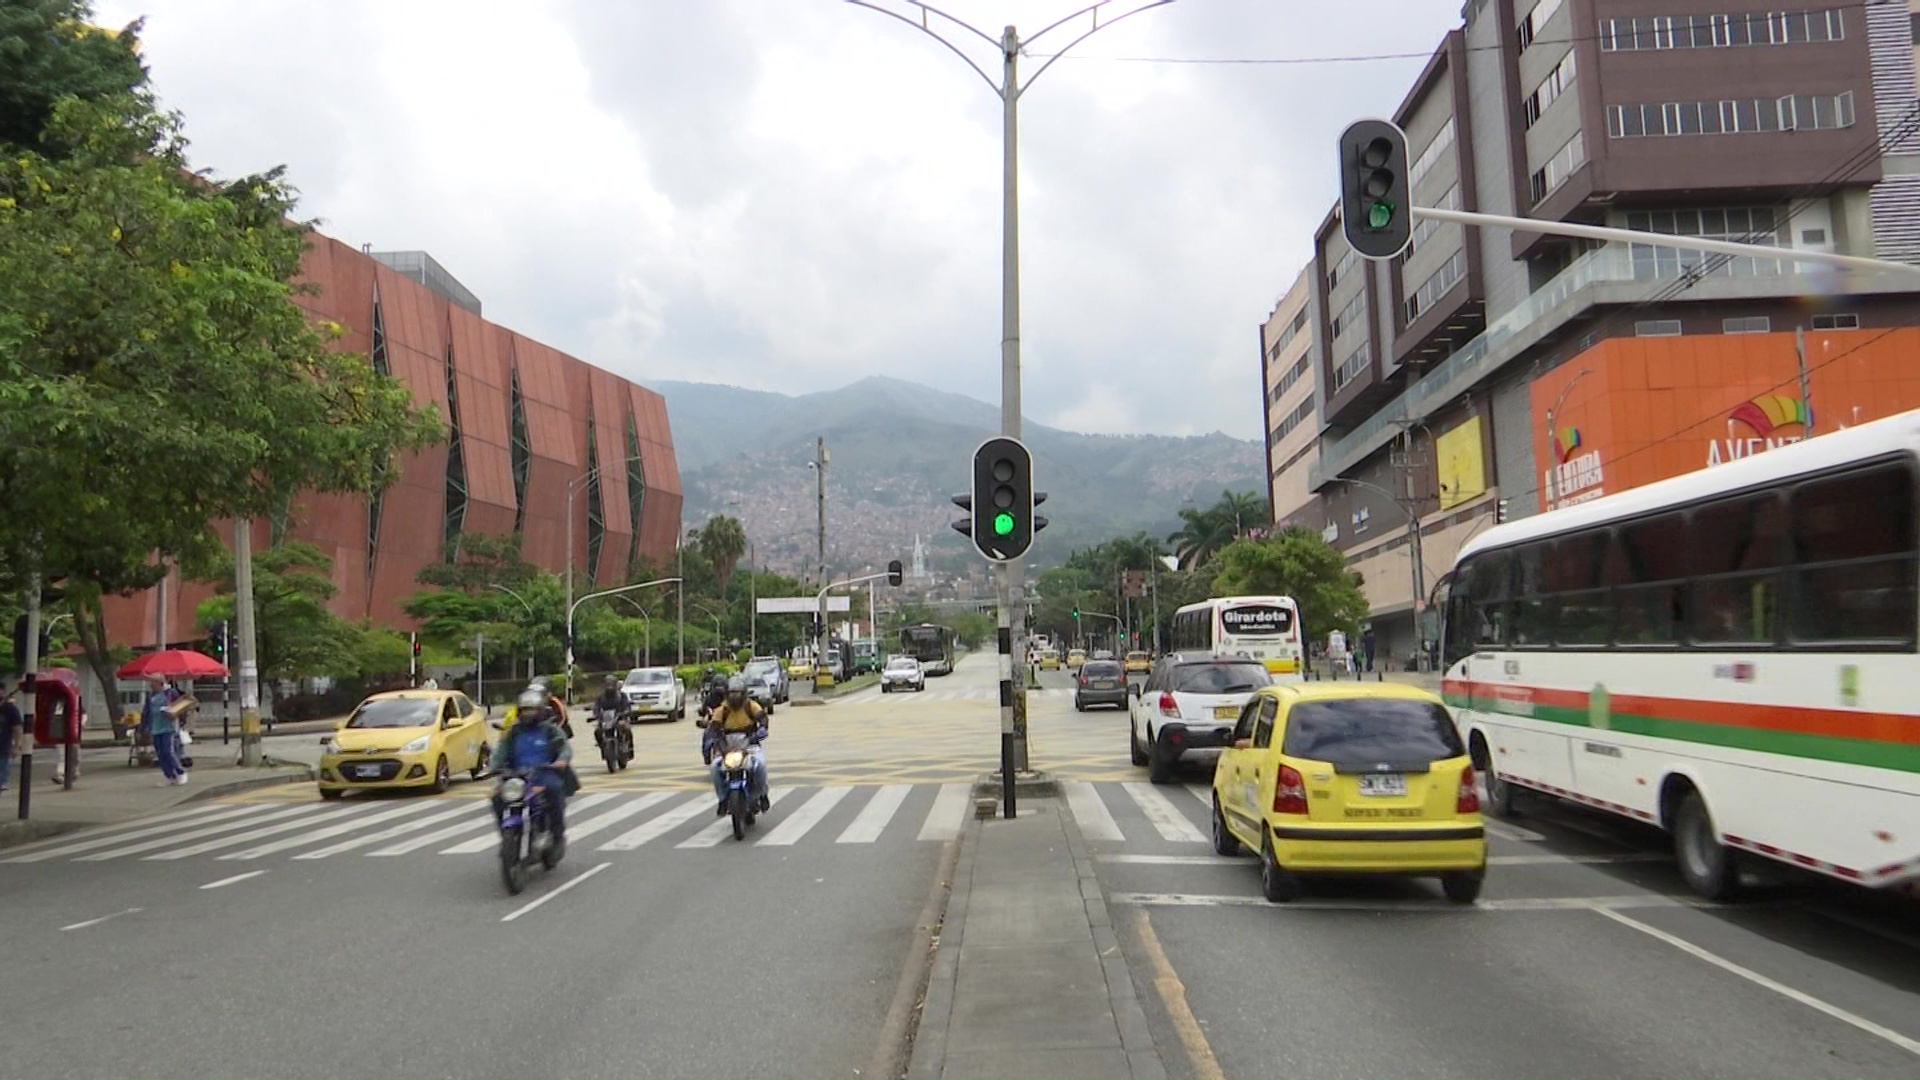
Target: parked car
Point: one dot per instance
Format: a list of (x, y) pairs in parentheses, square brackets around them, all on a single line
[(405, 739), (654, 691), (1101, 682), (902, 673), (1189, 703), (770, 668)]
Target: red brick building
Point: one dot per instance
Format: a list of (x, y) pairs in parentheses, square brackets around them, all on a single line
[(527, 423)]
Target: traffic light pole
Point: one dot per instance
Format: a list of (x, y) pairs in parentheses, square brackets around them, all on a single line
[(243, 618)]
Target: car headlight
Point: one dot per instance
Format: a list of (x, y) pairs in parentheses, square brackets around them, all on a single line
[(416, 745), (734, 759), (513, 789), (328, 746)]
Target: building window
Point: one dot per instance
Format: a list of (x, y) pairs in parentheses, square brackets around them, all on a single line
[(1293, 376), (456, 510), (1561, 165), (1350, 368), (596, 511), (1429, 157), (1657, 328), (1556, 83), (1350, 316), (1751, 225), (1836, 322), (1340, 268), (1535, 20), (1742, 116), (1293, 420), (636, 489), (1649, 32), (1810, 237), (1287, 335), (1424, 228), (521, 449), (1751, 324), (1436, 286)]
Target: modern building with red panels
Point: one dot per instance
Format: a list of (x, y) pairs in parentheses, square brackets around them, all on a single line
[(527, 425)]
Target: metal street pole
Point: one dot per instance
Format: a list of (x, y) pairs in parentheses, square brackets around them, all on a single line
[(647, 631), (29, 675), (573, 487), (480, 670), (680, 600), (249, 665), (618, 590)]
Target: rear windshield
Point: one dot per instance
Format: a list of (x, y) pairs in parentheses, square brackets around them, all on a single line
[(1216, 678), (1100, 669), (1371, 729)]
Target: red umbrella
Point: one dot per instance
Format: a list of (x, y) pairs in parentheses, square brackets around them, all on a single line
[(173, 664)]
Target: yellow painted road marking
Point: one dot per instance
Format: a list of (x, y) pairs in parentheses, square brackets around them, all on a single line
[(1173, 997)]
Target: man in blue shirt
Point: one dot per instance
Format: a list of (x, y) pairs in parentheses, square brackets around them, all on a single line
[(536, 746), (160, 727)]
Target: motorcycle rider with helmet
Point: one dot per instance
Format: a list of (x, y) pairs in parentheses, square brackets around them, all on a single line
[(553, 702), (611, 701), (536, 746), (740, 714)]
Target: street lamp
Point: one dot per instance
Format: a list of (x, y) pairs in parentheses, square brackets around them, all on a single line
[(1553, 469), (575, 606), (530, 618), (718, 636), (648, 631)]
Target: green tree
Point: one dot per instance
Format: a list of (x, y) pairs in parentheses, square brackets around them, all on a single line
[(298, 634), (479, 561), (723, 542), (1298, 563), (49, 50), (378, 651), (973, 629), (1202, 533)]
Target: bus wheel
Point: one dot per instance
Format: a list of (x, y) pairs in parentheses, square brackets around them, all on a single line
[(1501, 796), (1708, 867)]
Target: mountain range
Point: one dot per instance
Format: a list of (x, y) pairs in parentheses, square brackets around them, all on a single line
[(898, 450)]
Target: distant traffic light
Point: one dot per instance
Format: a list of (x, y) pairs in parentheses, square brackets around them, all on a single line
[(217, 640), (416, 643), (1076, 612), (895, 573), (1376, 208)]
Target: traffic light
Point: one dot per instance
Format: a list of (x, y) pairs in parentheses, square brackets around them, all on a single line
[(20, 643), (217, 640), (1002, 500), (1376, 209), (1076, 611), (895, 574), (1500, 511), (416, 643)]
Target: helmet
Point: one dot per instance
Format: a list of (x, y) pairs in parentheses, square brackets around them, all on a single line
[(610, 682), (531, 701), (538, 682), (711, 672), (736, 685)]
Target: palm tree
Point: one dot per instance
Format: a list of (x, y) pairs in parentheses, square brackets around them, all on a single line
[(723, 541), (1244, 510), (1202, 533)]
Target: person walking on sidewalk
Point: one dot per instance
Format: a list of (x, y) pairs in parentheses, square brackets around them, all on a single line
[(12, 724), (159, 725)]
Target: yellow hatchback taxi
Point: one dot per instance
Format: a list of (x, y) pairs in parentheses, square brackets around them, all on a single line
[(1076, 658), (1139, 663), (405, 739), (1049, 660), (1349, 779)]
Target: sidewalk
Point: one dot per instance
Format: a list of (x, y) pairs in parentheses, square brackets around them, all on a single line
[(108, 790), (1028, 979)]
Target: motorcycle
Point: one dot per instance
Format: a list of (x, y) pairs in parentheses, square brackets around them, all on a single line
[(525, 837), (614, 736), (742, 804)]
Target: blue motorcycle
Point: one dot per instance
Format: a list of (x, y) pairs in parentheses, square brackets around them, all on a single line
[(735, 758), (526, 836)]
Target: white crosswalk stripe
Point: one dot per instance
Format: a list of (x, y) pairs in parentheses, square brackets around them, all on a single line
[(1151, 820)]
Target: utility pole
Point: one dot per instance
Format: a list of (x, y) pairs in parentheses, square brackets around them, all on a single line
[(29, 670), (480, 670), (1800, 357), (820, 458), (249, 666), (680, 600), (1413, 550)]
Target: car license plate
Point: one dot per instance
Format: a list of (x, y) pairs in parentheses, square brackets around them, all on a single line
[(1383, 784), (369, 770), (1103, 684), (1226, 712)]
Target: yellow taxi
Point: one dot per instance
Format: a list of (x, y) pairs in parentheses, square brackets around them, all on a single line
[(1049, 660), (800, 669), (405, 739), (1350, 779), (1139, 663), (1076, 658)]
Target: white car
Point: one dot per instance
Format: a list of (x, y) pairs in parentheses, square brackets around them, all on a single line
[(902, 673), (654, 691), (1190, 702)]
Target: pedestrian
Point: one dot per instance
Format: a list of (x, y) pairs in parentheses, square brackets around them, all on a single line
[(1367, 646), (157, 721), (1337, 651), (11, 725)]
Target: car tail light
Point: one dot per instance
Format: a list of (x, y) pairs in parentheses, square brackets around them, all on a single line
[(1168, 706), (1468, 801), (1083, 680), (1289, 791)]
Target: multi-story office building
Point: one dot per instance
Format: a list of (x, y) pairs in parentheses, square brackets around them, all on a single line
[(1793, 127), (1289, 380)]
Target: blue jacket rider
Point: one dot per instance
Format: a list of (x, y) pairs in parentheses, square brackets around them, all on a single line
[(536, 745), (739, 714)]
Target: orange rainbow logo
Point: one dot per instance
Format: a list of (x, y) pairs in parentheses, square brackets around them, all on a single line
[(1770, 411), (1566, 443)]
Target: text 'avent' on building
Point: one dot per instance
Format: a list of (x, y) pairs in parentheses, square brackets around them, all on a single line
[(1488, 368), (526, 424)]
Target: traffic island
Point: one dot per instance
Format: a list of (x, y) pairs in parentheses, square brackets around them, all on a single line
[(1029, 784), (837, 690)]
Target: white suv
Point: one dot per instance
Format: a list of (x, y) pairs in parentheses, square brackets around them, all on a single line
[(1190, 702), (654, 691)]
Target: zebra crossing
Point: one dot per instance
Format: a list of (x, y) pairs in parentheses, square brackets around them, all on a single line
[(933, 695), (850, 817)]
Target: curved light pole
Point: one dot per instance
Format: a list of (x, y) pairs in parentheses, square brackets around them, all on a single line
[(573, 486), (648, 631), (575, 606), (718, 636), (530, 618), (1553, 468)]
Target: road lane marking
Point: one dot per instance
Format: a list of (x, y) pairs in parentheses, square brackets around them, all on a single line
[(302, 810), (1172, 860), (804, 819), (327, 833), (1511, 832), (401, 829), (225, 881), (577, 829), (662, 825), (512, 915), (1172, 824), (1203, 793), (486, 843), (949, 811), (1911, 1046), (1095, 822), (101, 919), (1173, 998), (1412, 903), (878, 813), (1579, 860), (55, 847), (723, 828)]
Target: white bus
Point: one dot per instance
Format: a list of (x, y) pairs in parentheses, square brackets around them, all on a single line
[(1263, 628), (1728, 654)]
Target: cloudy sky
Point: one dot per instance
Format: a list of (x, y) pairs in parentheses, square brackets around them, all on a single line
[(793, 194)]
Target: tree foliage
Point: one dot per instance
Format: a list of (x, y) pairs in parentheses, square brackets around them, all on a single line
[(1203, 533), (49, 50), (297, 633), (1298, 563), (723, 541)]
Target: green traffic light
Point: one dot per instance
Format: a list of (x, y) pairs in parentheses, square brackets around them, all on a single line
[(1003, 524), (1379, 214)]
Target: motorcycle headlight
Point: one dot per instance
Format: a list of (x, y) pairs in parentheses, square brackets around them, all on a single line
[(416, 745), (734, 759), (513, 789)]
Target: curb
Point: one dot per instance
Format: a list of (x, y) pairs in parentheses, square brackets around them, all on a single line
[(1136, 1037), (1028, 785), (900, 1032), (15, 833), (929, 1037), (234, 787)]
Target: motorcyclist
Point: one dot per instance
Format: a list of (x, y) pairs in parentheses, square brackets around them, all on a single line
[(554, 703), (739, 713), (611, 701), (534, 745)]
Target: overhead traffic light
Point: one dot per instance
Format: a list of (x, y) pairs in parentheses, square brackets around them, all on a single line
[(895, 573), (217, 640), (1376, 208), (1001, 521)]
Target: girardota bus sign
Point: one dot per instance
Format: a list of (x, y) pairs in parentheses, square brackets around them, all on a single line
[(1255, 620)]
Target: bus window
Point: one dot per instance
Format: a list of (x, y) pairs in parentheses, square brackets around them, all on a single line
[(1853, 536), (1738, 547), (1489, 584), (1573, 569), (1651, 610), (1532, 608)]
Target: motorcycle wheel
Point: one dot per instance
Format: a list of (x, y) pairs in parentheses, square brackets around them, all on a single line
[(512, 870), (737, 806), (550, 855), (611, 756)]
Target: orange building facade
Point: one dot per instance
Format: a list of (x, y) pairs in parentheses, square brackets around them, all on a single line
[(1633, 410), (527, 424)]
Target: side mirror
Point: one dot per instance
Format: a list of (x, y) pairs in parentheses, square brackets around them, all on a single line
[(1133, 689)]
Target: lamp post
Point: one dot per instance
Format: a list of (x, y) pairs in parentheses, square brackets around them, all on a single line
[(530, 617), (1009, 89), (1418, 567), (1553, 466), (617, 591), (648, 631), (719, 637)]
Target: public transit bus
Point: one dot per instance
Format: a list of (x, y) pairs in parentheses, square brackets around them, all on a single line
[(1263, 628), (1728, 654), (931, 645)]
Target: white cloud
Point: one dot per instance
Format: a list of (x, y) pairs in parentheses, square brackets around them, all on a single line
[(792, 194)]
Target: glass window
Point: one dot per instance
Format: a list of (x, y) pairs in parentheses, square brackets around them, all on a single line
[(1650, 605), (1532, 611), (1267, 708), (405, 712), (1854, 546), (1738, 546), (1371, 730), (1219, 678), (1488, 581)]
